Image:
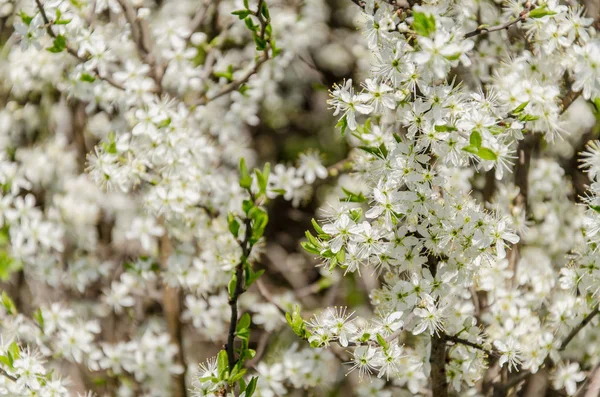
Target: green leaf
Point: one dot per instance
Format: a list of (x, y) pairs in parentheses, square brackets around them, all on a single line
[(228, 74), (382, 342), (261, 43), (234, 225), (251, 388), (222, 365), (245, 178), (540, 12), (232, 284), (353, 197), (244, 322), (342, 124), (296, 321), (260, 219), (60, 43), (8, 304), (444, 128), (528, 117), (58, 20), (265, 10), (249, 24), (487, 154), (242, 13), (423, 24), (25, 18), (8, 265), (595, 208), (475, 139), (38, 316), (380, 151), (252, 276), (520, 108), (317, 227), (88, 78), (311, 248), (263, 178), (355, 214), (247, 205), (471, 149)]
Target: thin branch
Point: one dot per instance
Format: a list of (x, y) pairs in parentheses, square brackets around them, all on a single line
[(589, 380), (72, 50), (568, 100), (458, 340), (7, 375), (578, 328), (141, 37), (482, 29), (234, 85), (198, 18), (172, 309)]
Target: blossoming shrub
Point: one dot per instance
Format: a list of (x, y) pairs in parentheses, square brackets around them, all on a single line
[(144, 232)]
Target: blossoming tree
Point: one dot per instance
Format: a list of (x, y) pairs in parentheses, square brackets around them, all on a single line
[(452, 251)]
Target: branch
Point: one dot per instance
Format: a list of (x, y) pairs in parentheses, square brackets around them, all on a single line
[(569, 99), (234, 85), (457, 340), (437, 357), (141, 37), (7, 375), (482, 29), (172, 308), (72, 50), (578, 328)]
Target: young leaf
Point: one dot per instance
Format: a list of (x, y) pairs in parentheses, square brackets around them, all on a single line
[(245, 178), (423, 24), (475, 139), (251, 388), (540, 12), (222, 364), (60, 43), (487, 154)]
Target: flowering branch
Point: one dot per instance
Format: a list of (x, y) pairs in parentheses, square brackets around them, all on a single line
[(483, 29), (264, 41), (458, 340), (578, 328), (141, 37), (7, 375), (72, 50)]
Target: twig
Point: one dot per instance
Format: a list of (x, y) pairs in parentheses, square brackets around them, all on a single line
[(72, 50), (172, 309), (578, 328), (141, 37), (458, 340), (7, 375), (264, 22), (482, 29), (568, 100), (593, 380), (198, 18)]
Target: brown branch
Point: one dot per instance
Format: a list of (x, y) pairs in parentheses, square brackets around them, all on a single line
[(482, 29), (141, 37), (568, 100), (7, 375), (72, 50), (172, 310), (234, 85), (458, 340), (578, 328)]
